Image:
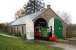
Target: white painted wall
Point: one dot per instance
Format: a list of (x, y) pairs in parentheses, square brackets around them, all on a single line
[(30, 30), (51, 23)]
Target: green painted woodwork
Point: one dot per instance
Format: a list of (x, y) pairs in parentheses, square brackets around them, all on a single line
[(44, 32), (58, 27)]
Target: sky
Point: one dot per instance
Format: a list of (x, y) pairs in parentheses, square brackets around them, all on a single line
[(8, 8)]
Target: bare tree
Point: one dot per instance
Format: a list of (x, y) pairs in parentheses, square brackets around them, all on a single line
[(21, 12), (65, 16)]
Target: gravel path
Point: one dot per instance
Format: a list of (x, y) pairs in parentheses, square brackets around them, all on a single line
[(65, 46)]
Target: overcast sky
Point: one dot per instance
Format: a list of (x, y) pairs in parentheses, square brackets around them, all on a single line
[(9, 7)]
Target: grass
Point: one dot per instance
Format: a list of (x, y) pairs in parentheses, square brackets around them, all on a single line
[(7, 43)]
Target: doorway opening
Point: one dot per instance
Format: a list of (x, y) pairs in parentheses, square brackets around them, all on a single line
[(40, 29)]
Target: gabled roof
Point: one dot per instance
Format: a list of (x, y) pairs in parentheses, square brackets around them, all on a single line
[(30, 18), (27, 18)]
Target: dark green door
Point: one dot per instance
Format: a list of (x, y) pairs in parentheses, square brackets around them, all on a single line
[(58, 27)]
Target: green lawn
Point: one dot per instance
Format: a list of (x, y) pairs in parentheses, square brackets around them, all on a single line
[(7, 43)]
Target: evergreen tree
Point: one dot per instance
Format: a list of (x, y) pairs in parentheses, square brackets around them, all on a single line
[(34, 6)]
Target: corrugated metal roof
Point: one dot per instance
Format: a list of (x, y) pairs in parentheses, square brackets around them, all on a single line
[(26, 19)]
